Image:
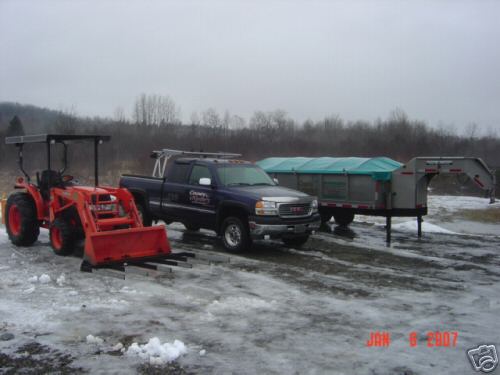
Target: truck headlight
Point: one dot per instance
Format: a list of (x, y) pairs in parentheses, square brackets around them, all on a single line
[(314, 206), (266, 208)]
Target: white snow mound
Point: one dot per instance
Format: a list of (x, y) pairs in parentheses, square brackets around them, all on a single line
[(44, 279), (94, 340), (157, 353)]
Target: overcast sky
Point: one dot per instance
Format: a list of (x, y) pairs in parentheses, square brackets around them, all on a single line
[(437, 60)]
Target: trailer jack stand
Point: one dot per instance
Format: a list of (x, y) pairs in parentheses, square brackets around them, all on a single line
[(419, 223), (388, 230)]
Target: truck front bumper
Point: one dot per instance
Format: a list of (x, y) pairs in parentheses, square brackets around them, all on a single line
[(276, 227)]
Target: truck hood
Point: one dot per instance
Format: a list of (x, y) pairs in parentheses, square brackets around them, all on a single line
[(274, 193)]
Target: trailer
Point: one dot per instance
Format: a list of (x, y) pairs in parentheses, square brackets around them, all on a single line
[(373, 186)]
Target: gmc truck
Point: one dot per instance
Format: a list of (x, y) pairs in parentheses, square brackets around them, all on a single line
[(235, 198)]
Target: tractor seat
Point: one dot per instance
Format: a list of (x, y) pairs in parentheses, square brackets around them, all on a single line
[(55, 181)]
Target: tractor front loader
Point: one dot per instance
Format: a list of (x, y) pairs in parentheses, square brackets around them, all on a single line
[(105, 218)]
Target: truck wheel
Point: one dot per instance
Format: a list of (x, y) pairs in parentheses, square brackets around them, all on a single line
[(235, 236), (343, 218), (21, 219), (297, 241), (62, 237), (192, 227), (144, 215)]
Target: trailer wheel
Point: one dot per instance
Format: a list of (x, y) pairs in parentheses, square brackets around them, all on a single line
[(296, 241), (344, 218), (235, 235), (62, 237), (325, 217), (21, 219), (144, 215)]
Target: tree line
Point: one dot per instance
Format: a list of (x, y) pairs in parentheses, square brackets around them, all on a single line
[(156, 124)]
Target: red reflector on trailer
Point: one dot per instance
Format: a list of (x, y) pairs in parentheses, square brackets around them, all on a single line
[(427, 170), (363, 206), (347, 206), (455, 170), (419, 205), (332, 205), (407, 173)]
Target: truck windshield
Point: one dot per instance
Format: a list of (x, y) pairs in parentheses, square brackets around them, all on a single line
[(243, 176)]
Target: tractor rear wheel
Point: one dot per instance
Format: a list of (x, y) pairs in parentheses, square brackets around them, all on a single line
[(62, 237), (21, 219)]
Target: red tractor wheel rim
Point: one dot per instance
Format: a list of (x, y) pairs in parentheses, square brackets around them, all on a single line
[(56, 237), (14, 220)]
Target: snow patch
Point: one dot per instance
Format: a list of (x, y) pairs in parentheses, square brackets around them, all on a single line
[(61, 280), (240, 304), (44, 279), (94, 340), (33, 279), (157, 353), (203, 352), (412, 226)]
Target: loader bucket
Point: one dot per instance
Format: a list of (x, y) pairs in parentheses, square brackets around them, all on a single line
[(124, 245)]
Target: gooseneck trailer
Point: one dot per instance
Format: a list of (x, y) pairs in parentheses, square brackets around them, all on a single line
[(373, 186)]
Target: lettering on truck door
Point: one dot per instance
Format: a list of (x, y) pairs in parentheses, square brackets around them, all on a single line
[(201, 198)]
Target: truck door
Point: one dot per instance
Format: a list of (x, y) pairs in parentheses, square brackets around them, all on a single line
[(201, 199), (173, 203)]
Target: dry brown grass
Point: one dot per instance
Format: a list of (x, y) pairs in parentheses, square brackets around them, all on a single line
[(487, 215)]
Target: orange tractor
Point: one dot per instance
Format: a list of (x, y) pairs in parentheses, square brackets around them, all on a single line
[(105, 218)]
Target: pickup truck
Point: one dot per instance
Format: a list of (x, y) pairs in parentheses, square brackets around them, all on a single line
[(235, 198)]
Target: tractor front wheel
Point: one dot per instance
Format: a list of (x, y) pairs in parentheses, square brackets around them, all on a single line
[(62, 237), (21, 219)]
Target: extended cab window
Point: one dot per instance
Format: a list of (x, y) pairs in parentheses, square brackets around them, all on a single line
[(178, 173), (199, 171)]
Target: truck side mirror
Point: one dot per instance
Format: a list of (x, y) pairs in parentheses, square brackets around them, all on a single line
[(204, 181), (276, 181)]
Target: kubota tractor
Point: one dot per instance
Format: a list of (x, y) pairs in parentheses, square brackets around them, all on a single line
[(105, 218)]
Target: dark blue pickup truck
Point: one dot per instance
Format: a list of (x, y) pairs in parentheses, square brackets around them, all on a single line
[(235, 198)]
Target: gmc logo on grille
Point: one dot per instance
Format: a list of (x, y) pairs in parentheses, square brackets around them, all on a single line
[(297, 210)]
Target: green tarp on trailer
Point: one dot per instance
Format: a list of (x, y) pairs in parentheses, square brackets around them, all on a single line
[(380, 168)]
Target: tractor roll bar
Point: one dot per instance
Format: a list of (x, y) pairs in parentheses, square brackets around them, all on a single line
[(50, 139)]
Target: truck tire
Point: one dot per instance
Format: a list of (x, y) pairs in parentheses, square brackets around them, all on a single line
[(62, 237), (21, 219), (235, 235), (344, 218), (144, 214), (191, 227), (296, 241)]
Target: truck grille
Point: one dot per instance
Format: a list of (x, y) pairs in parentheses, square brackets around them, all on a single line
[(295, 210)]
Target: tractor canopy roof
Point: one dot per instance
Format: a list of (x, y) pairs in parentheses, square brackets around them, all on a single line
[(48, 138)]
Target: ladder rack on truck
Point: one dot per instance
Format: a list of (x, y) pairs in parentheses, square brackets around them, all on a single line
[(163, 156), (374, 186)]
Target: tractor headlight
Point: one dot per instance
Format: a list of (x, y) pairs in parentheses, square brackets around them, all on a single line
[(266, 208), (314, 206)]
